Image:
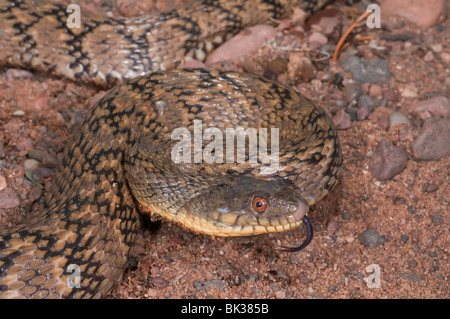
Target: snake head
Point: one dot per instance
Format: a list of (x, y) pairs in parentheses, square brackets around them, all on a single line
[(243, 206)]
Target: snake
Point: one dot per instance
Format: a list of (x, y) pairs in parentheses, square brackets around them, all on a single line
[(121, 159)]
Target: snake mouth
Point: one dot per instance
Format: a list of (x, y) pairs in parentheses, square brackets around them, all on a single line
[(232, 224), (289, 221)]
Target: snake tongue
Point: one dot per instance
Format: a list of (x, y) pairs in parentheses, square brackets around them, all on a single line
[(300, 214)]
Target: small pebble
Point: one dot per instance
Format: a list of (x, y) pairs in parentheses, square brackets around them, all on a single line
[(363, 112), (391, 95), (411, 209), (352, 91), (18, 74), (44, 158), (437, 219), (438, 106), (332, 289), (300, 68), (30, 164), (332, 227), (360, 275), (24, 146), (424, 13), (340, 103), (317, 39), (370, 238), (383, 122), (2, 150), (387, 161), (328, 20), (349, 239), (429, 56), (409, 91), (346, 215), (353, 113), (43, 172), (375, 91), (275, 68), (366, 101), (152, 293), (280, 294), (412, 277), (242, 44), (397, 36), (18, 113), (192, 63), (429, 188), (404, 238), (367, 71), (317, 85), (433, 140), (445, 57), (8, 198), (397, 118), (2, 182), (208, 284), (34, 194), (342, 120), (314, 294), (160, 282)]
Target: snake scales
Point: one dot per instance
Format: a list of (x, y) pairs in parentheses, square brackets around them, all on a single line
[(89, 216)]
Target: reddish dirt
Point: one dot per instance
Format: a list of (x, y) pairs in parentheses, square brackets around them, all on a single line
[(40, 111)]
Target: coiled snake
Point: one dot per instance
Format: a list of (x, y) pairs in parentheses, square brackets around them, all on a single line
[(121, 154)]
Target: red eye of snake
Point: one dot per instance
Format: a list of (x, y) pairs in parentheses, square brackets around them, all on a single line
[(259, 204)]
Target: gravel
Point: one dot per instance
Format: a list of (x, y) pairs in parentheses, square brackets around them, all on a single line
[(367, 71), (411, 209), (437, 219), (438, 106), (208, 284), (2, 150), (44, 158), (371, 238), (415, 278), (433, 141), (398, 118), (342, 120), (387, 161), (9, 199)]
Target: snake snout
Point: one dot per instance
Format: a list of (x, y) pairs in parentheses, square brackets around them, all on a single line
[(301, 210)]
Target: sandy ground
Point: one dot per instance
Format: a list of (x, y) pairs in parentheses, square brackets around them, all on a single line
[(409, 212)]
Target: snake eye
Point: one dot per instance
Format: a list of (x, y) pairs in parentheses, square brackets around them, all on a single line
[(259, 204)]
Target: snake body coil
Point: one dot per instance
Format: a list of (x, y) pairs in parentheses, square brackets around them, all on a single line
[(88, 218)]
